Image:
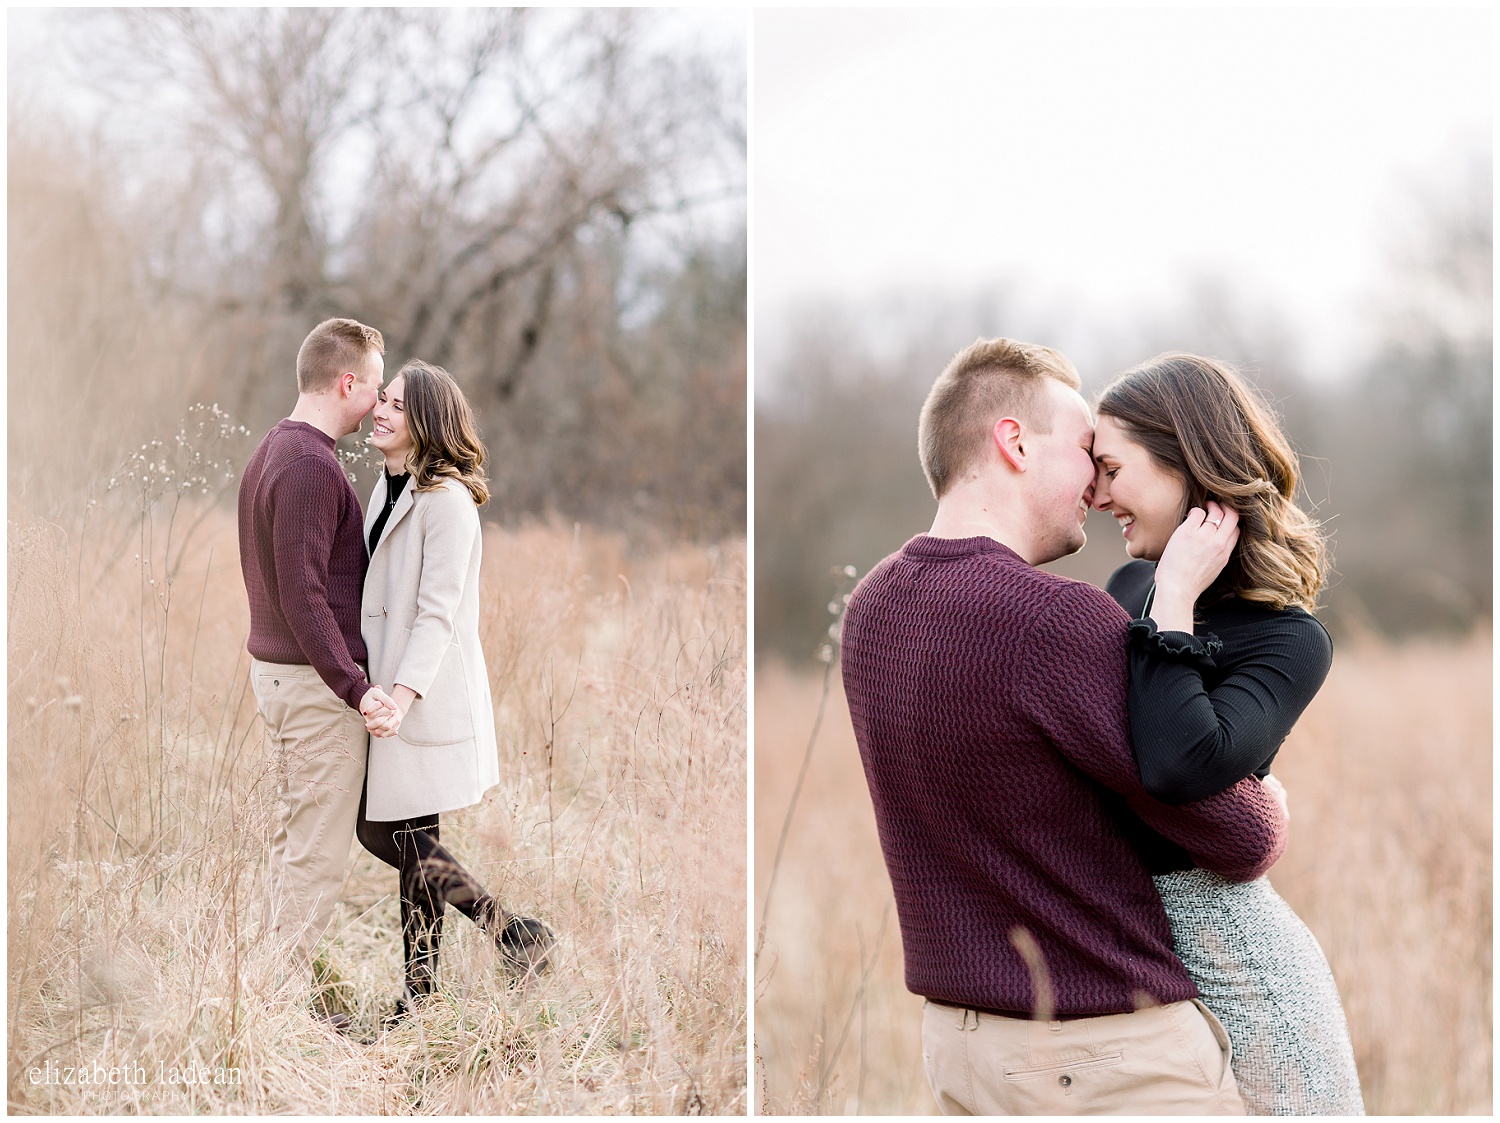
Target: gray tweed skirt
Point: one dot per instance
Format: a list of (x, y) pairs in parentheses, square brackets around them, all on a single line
[(1262, 973)]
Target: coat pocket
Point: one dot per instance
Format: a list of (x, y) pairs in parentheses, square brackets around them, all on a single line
[(442, 716)]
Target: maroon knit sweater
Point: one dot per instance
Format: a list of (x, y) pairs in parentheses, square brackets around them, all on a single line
[(303, 555), (989, 701)]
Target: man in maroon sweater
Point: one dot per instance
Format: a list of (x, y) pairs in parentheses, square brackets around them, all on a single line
[(303, 557), (989, 701)]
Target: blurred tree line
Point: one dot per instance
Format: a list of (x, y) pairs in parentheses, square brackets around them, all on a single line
[(548, 203), (1396, 453)]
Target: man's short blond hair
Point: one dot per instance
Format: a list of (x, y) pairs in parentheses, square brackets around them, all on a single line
[(330, 349), (987, 380)]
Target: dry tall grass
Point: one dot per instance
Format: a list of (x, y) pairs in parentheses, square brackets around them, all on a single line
[(138, 817), (1389, 775)]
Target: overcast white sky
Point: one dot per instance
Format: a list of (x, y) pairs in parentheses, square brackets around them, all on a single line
[(1103, 156), (42, 73)]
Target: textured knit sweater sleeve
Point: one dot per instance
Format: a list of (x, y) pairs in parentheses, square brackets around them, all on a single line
[(303, 534), (1192, 741), (1078, 682)]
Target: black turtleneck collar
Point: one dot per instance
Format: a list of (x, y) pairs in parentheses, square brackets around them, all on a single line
[(394, 485)]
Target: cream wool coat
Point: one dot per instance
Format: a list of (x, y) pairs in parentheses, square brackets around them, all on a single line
[(421, 626)]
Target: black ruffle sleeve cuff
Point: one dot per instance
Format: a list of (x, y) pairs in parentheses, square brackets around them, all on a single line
[(1179, 647)]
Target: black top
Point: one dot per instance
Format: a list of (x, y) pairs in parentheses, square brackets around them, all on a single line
[(1209, 709), (394, 485)]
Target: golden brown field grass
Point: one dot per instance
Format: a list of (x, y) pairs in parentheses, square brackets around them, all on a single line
[(138, 818), (1389, 776)]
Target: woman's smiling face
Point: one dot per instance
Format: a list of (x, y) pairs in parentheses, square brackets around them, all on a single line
[(1146, 500), (391, 435)]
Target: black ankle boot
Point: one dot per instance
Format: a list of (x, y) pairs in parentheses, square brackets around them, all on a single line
[(404, 1004), (421, 975), (525, 944)]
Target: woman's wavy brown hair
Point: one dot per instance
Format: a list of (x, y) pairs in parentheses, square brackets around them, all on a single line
[(445, 443), (1198, 419)]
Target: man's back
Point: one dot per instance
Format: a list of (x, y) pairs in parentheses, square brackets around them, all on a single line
[(303, 557), (970, 674)]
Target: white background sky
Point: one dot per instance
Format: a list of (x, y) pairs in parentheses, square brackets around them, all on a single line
[(43, 73), (1103, 156)]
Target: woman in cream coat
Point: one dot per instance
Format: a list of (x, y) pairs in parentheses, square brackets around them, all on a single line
[(437, 752)]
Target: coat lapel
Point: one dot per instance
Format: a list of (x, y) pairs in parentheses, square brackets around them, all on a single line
[(377, 501), (403, 505)]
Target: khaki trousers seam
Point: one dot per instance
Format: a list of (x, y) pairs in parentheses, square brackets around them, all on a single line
[(311, 792), (307, 922), (966, 1035)]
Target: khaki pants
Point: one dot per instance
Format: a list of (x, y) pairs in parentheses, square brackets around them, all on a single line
[(319, 747), (1166, 1060)]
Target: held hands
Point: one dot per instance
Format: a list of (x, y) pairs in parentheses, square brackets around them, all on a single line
[(1197, 552), (382, 718), (384, 712)]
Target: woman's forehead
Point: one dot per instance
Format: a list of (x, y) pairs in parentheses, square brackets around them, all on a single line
[(1110, 438)]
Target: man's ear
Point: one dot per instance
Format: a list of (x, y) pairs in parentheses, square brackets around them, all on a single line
[(346, 383), (1007, 437)]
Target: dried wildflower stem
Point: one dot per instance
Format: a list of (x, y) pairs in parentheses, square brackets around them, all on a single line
[(829, 655), (866, 966), (1389, 863), (791, 809), (140, 826)]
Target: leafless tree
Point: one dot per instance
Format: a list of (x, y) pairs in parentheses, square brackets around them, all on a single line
[(508, 192), (1396, 454), (431, 168)]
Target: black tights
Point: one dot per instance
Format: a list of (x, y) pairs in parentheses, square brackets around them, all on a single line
[(431, 878)]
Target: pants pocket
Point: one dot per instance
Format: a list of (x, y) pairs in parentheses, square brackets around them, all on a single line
[(1223, 1070), (1062, 1068), (945, 1058), (273, 687)]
